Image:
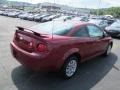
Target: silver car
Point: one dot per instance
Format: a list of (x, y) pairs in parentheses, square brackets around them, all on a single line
[(114, 29), (101, 23)]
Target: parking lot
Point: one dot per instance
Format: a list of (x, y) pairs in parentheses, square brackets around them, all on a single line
[(101, 73)]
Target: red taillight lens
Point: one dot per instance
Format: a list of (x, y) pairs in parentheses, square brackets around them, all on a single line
[(42, 48)]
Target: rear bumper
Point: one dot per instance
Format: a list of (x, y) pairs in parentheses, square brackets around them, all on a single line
[(34, 61)]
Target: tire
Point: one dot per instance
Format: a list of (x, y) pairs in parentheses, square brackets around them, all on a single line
[(108, 50), (70, 67)]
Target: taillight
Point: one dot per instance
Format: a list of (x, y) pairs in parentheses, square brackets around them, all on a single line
[(42, 47)]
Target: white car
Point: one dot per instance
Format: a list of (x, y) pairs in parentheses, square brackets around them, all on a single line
[(82, 18), (101, 23), (1, 12), (62, 18)]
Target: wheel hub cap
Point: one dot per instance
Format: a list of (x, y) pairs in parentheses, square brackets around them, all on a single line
[(71, 68)]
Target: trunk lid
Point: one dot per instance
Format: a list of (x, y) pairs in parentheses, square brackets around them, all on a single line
[(28, 39)]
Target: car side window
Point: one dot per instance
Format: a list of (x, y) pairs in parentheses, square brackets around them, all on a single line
[(81, 32), (94, 31)]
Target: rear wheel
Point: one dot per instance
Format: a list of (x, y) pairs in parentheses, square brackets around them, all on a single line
[(70, 67)]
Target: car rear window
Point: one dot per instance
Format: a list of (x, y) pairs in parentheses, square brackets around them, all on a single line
[(55, 27)]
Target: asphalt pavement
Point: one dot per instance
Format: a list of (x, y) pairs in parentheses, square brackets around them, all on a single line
[(100, 73)]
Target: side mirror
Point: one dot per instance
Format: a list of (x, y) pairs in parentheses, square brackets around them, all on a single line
[(105, 34)]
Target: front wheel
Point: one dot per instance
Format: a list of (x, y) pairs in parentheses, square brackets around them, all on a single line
[(108, 50), (70, 67)]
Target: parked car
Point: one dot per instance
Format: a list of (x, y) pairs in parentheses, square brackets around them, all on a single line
[(5, 13), (23, 16), (49, 18), (114, 29), (29, 16), (1, 12), (97, 17), (85, 19), (70, 44), (40, 17), (68, 18), (110, 21), (63, 18), (32, 16), (101, 23), (14, 14)]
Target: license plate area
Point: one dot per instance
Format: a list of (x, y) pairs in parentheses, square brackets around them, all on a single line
[(24, 42)]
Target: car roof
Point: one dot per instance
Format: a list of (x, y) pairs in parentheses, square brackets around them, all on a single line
[(60, 23), (55, 25), (62, 17)]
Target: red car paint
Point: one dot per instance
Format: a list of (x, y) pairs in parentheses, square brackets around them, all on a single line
[(57, 49)]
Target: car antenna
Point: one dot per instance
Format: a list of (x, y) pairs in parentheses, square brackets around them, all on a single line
[(52, 27), (52, 21)]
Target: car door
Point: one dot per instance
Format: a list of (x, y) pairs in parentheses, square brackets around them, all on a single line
[(97, 35), (84, 42)]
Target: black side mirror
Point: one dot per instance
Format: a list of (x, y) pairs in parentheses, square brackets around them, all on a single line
[(106, 34)]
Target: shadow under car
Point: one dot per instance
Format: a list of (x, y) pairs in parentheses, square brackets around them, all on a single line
[(88, 75)]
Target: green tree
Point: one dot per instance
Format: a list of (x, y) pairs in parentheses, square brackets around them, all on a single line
[(115, 11)]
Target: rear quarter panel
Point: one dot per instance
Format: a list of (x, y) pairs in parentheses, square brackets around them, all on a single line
[(63, 48)]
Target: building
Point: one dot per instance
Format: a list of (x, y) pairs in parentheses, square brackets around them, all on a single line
[(53, 7), (50, 7), (20, 5)]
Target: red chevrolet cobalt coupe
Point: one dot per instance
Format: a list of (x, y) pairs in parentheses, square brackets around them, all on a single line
[(59, 46)]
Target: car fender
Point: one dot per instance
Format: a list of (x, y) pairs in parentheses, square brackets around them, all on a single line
[(65, 56), (70, 52)]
